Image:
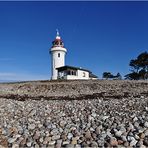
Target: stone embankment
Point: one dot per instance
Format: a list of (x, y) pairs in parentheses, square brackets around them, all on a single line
[(74, 114)]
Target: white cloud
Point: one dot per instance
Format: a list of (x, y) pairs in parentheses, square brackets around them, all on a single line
[(8, 76), (5, 59)]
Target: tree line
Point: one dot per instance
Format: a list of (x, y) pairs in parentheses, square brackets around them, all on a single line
[(138, 69)]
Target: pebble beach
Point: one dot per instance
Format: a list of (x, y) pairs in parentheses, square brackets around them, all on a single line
[(99, 113)]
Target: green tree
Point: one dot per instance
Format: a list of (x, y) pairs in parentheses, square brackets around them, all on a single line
[(118, 76), (139, 67), (107, 75)]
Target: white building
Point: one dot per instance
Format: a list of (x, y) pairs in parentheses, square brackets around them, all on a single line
[(58, 68)]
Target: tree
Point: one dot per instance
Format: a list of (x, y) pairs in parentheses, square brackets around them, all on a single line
[(118, 76), (132, 76), (139, 67), (107, 75)]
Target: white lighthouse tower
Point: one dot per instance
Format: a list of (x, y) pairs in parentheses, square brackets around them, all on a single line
[(57, 55)]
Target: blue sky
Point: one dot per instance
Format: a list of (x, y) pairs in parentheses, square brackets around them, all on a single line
[(99, 36)]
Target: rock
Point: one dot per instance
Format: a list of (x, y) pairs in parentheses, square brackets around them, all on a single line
[(59, 144), (69, 136), (63, 136), (31, 126), (105, 117), (46, 140), (51, 142), (41, 139), (94, 144), (88, 135), (77, 146), (66, 142), (146, 124), (93, 114), (142, 135), (135, 119), (54, 131), (36, 146), (37, 135), (40, 125), (70, 146), (118, 133), (15, 146), (3, 142), (126, 144), (29, 143), (133, 141), (55, 137), (120, 142), (145, 141), (113, 142), (97, 130), (146, 132), (74, 140), (62, 123), (12, 140)]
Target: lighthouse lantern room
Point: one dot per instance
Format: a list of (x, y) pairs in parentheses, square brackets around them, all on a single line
[(58, 53)]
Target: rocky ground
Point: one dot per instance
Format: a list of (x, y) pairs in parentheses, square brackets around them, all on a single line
[(95, 113)]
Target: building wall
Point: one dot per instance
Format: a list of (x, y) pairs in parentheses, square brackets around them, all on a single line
[(57, 60), (81, 75)]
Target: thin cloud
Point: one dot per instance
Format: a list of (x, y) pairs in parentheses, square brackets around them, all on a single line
[(6, 59), (8, 76)]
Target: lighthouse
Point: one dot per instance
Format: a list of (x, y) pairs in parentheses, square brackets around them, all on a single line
[(58, 52)]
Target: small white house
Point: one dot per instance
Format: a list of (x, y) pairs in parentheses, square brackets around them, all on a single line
[(74, 73), (58, 68)]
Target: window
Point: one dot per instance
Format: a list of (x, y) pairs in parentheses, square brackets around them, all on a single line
[(83, 74), (58, 54)]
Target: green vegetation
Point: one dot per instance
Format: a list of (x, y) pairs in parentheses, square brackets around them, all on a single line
[(139, 68)]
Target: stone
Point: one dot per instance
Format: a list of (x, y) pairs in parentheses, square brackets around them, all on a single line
[(97, 130), (146, 132), (3, 142), (93, 114), (12, 140), (69, 146), (74, 140), (63, 136), (47, 139), (69, 136), (118, 133), (105, 117), (37, 135), (29, 143), (146, 124), (40, 125), (36, 146), (31, 126), (120, 142), (54, 131), (126, 144), (133, 141), (145, 141), (62, 123), (66, 142), (41, 139), (15, 146), (113, 142), (55, 137), (142, 135), (94, 144), (51, 142), (88, 135)]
